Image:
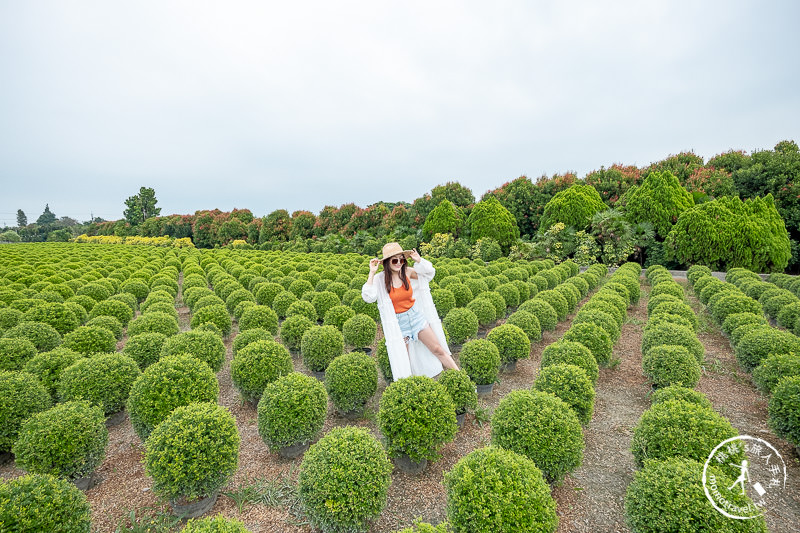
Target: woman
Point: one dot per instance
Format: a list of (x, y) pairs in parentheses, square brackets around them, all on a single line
[(415, 339)]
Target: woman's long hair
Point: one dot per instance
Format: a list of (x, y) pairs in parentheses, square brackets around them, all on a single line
[(387, 274)]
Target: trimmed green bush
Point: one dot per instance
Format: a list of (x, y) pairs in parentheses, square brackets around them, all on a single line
[(267, 292), (57, 315), (754, 347), (775, 367), (292, 410), (249, 336), (257, 364), (293, 329), (510, 294), (145, 348), (135, 287), (579, 283), (89, 340), (528, 323), (216, 314), (15, 352), (193, 452), (344, 479), (774, 303), (323, 301), (571, 353), (571, 384), (543, 311), (337, 315), (676, 392), (788, 315), (493, 489), (484, 310), (443, 300), (302, 307), (216, 524), (67, 441), (236, 297), (541, 427), (417, 428), (600, 318), (668, 364), (171, 382), (461, 389), (41, 335), (593, 337), (556, 301), (739, 333), (461, 293), (733, 303), (382, 357), (37, 502), (655, 301), (204, 345), (22, 395), (668, 495), (696, 272), (480, 359), (359, 331), (115, 308), (672, 334), (511, 341), (104, 380), (497, 301), (48, 366), (677, 428), (351, 380), (668, 287)]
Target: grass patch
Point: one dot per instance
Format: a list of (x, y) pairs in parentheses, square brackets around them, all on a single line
[(278, 493), (160, 522)]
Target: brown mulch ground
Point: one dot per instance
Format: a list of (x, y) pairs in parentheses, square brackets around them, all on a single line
[(590, 499)]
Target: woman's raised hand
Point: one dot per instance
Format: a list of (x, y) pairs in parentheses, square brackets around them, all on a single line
[(415, 255), (374, 263)]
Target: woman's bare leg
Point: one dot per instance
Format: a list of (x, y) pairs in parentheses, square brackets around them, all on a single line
[(428, 338)]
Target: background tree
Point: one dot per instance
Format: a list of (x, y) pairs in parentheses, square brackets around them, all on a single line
[(574, 207), (490, 219), (47, 217), (141, 206), (22, 220), (302, 224), (276, 227), (445, 218), (660, 200)]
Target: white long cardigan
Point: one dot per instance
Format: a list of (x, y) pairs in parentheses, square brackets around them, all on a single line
[(418, 360)]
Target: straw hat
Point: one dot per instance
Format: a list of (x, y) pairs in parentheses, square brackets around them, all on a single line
[(392, 248)]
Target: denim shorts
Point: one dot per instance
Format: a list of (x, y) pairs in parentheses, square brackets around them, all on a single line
[(411, 323)]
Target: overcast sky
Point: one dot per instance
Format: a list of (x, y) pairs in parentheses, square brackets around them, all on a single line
[(298, 105)]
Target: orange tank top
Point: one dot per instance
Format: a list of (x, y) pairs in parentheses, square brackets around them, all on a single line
[(402, 299)]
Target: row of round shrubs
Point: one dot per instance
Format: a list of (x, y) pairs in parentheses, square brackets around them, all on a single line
[(772, 355), (671, 352), (778, 295)]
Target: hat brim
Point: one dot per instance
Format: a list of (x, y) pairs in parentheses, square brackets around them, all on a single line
[(406, 253)]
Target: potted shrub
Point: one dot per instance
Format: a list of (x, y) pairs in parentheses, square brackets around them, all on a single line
[(37, 502), (144, 348), (259, 316), (543, 311), (338, 315), (256, 365), (351, 380), (593, 337), (509, 496), (243, 338), (480, 359), (344, 479), (15, 353), (155, 322), (217, 314), (41, 335), (571, 353), (784, 410), (23, 395), (291, 413), (528, 323), (461, 324), (382, 355), (203, 345), (48, 366), (414, 430), (319, 346), (462, 390), (67, 441), (108, 322), (484, 311), (572, 385), (541, 427), (676, 392), (293, 329), (103, 380), (775, 367), (191, 455), (359, 332), (512, 343), (172, 382), (668, 364)]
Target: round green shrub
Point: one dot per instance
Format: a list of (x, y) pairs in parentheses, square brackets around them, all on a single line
[(710, 289), (251, 335), (216, 314), (541, 427), (528, 323), (417, 428), (675, 335), (382, 357), (193, 452), (556, 301), (461, 293), (216, 524), (668, 287), (600, 318), (579, 283), (511, 341), (461, 324), (15, 352), (754, 347), (206, 301), (9, 318), (48, 366), (236, 297), (733, 303), (571, 353), (351, 380), (344, 479), (632, 286), (593, 337), (668, 495), (204, 345), (784, 409), (320, 345), (257, 364), (461, 389), (676, 392), (775, 367), (90, 340), (668, 364), (443, 300), (96, 291), (359, 331), (677, 308), (136, 287), (293, 329), (696, 272), (144, 348), (67, 441), (267, 292), (543, 311), (41, 335), (510, 294), (162, 307), (484, 310), (107, 322), (740, 332), (154, 322), (498, 302), (323, 301), (37, 502), (57, 315), (115, 308), (655, 301), (570, 294), (304, 308), (171, 382), (542, 280), (571, 384), (104, 380), (22, 395), (788, 315), (480, 359), (677, 428), (292, 410), (773, 302), (494, 489), (337, 315)]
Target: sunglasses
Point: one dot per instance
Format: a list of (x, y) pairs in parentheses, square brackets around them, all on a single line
[(396, 260)]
